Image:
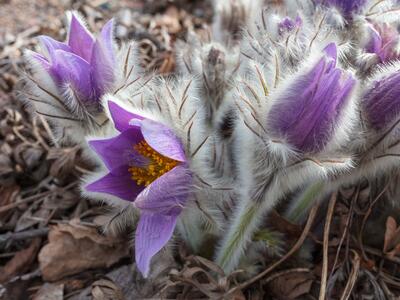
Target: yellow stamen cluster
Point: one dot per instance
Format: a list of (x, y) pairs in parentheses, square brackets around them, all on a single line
[(156, 167)]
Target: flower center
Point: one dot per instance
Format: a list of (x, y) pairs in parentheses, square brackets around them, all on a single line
[(157, 166)]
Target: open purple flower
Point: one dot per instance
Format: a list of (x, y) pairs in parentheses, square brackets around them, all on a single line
[(83, 63), (383, 41), (382, 101), (306, 113), (146, 164)]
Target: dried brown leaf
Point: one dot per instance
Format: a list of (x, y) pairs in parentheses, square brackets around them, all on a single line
[(238, 295), (291, 285), (283, 225), (74, 248), (8, 196), (105, 289), (391, 245), (50, 291), (391, 226), (20, 262)]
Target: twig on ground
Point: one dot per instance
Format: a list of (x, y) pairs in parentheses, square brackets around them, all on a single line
[(23, 235), (352, 277), (324, 275)]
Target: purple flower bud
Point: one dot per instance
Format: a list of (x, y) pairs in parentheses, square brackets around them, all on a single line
[(288, 25), (383, 40), (306, 113), (381, 102), (83, 63)]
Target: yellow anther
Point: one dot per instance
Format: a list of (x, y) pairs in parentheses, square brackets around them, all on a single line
[(155, 167)]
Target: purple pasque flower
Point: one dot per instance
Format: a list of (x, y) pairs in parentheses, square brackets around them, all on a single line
[(83, 63), (383, 41), (347, 7), (381, 102), (306, 113), (146, 165)]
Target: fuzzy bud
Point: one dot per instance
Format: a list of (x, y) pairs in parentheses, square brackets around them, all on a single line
[(288, 24), (67, 80), (83, 64), (383, 41), (382, 101), (307, 111), (345, 6)]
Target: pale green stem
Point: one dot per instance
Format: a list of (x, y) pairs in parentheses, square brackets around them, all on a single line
[(301, 206), (239, 234)]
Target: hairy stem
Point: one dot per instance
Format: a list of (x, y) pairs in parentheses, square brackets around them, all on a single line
[(301, 206), (246, 221)]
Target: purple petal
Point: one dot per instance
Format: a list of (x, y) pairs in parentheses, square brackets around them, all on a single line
[(80, 39), (382, 101), (168, 193), (121, 117), (163, 140), (160, 204), (51, 45), (103, 60), (107, 39), (41, 59), (72, 69), (121, 185), (118, 151), (331, 51), (307, 112), (152, 234)]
